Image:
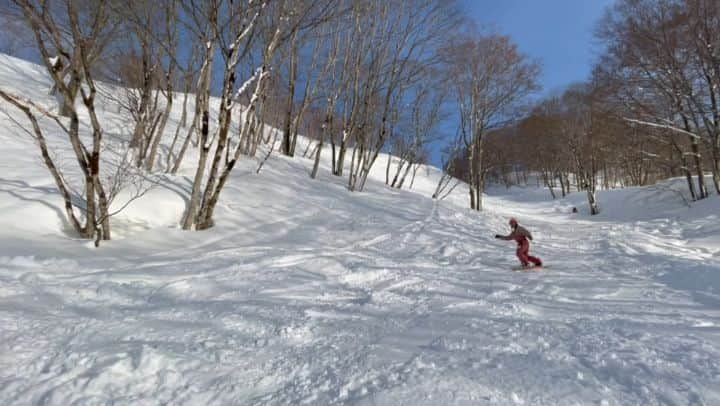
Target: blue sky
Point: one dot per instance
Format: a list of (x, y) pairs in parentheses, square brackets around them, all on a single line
[(559, 33)]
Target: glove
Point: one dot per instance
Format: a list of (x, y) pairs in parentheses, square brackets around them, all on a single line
[(498, 236)]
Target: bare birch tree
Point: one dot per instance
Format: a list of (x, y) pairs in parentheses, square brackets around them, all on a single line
[(490, 77), (74, 44), (238, 32)]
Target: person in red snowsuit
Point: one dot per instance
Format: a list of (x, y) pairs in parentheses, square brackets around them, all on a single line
[(523, 237)]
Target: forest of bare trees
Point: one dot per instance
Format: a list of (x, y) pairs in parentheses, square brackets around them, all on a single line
[(359, 78), (338, 71), (649, 112)]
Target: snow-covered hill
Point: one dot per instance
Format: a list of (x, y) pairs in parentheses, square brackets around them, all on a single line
[(306, 293)]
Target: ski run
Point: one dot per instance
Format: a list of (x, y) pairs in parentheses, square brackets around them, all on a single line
[(306, 293)]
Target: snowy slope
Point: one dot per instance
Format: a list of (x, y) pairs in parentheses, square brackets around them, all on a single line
[(305, 293)]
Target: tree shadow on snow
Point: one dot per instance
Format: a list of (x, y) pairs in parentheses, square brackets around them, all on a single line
[(14, 187)]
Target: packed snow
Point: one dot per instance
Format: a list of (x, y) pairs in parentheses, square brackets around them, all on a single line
[(305, 293)]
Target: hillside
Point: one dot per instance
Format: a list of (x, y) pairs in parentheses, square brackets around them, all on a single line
[(305, 293)]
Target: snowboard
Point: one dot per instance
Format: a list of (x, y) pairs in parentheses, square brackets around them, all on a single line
[(534, 268)]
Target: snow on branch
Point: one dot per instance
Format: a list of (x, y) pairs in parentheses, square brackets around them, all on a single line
[(663, 126)]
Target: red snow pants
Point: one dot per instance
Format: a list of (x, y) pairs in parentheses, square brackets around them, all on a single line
[(523, 253)]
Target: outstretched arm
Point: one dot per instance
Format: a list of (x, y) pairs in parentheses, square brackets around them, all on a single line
[(503, 237)]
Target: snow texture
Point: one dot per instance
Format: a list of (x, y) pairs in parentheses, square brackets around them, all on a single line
[(305, 293)]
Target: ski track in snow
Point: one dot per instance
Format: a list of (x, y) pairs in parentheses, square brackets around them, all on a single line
[(307, 294)]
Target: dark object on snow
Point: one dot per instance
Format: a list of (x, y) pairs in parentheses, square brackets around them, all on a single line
[(574, 210)]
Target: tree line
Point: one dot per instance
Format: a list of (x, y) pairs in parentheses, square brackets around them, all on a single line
[(649, 111)]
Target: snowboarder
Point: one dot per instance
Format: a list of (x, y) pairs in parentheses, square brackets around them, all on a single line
[(523, 237)]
